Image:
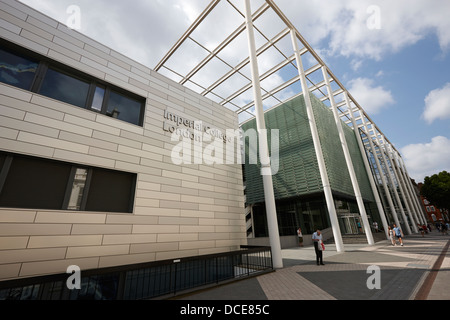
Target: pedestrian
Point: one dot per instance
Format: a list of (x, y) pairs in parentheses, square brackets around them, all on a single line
[(399, 234), (300, 237), (318, 246), (375, 226), (391, 236)]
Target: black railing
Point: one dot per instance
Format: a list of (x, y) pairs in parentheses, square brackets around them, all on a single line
[(161, 279)]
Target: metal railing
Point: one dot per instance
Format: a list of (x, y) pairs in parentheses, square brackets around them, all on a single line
[(153, 280)]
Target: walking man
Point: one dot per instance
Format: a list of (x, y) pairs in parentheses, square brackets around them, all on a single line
[(399, 234)]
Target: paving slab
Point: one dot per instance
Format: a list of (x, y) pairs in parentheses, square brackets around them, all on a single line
[(402, 272)]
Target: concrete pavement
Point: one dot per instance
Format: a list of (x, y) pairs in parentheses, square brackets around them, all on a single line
[(420, 270)]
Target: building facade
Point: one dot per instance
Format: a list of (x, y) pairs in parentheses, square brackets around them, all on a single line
[(92, 171), (105, 162), (297, 184)]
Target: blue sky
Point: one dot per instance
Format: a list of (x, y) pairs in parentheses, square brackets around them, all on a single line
[(398, 71)]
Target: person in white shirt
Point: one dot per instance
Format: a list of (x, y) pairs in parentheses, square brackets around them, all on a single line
[(317, 240), (300, 237)]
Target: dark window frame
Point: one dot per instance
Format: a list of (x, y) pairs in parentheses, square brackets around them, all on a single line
[(44, 63), (9, 158)]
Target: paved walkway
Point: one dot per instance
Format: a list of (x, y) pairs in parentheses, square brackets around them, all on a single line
[(420, 270)]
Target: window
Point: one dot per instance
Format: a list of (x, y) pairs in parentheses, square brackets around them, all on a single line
[(77, 189), (109, 191), (65, 88), (59, 82), (124, 108), (97, 101), (34, 183), (17, 70)]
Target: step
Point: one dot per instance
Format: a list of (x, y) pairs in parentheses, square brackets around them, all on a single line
[(358, 238)]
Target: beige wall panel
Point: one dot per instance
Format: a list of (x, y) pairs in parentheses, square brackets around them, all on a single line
[(149, 211), (213, 236), (153, 247), (197, 214), (25, 255), (155, 229), (8, 243), (111, 261), (69, 217), (28, 229), (56, 266), (196, 229), (100, 229), (169, 255), (189, 245), (130, 219), (9, 271), (97, 251), (129, 239), (177, 237), (8, 133), (70, 156), (16, 215), (64, 241)]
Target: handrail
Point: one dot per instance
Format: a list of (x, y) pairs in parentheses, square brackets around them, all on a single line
[(145, 280)]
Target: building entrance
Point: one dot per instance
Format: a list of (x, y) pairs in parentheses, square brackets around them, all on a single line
[(350, 223)]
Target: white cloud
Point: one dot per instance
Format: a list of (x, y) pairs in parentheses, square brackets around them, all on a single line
[(143, 30), (371, 98), (153, 26), (347, 24), (437, 104), (426, 159)]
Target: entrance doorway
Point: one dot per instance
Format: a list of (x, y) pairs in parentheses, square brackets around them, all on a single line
[(350, 223)]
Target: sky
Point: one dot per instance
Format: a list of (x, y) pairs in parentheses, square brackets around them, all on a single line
[(393, 56)]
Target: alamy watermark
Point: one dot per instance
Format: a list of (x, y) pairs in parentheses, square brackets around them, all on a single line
[(74, 17), (74, 280), (374, 20), (199, 143), (374, 281)]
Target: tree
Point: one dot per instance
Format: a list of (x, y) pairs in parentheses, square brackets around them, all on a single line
[(437, 189)]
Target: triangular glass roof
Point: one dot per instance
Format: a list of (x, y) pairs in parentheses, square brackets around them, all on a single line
[(212, 59)]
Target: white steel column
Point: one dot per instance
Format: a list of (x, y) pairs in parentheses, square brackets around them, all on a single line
[(417, 200), (348, 160), (266, 170), (362, 149), (318, 149), (380, 170), (400, 186), (415, 213), (391, 179)]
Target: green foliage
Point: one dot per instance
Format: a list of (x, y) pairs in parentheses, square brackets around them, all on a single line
[(437, 189)]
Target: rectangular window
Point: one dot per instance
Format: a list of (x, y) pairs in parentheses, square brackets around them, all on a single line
[(54, 80), (65, 88), (97, 101), (34, 183), (110, 191), (17, 70), (77, 189), (124, 108)]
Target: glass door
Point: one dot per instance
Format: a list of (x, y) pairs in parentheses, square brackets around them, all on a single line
[(348, 224)]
